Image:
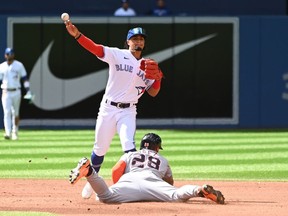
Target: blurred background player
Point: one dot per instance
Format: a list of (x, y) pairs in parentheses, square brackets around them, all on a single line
[(130, 76), (12, 72), (125, 9), (144, 175)]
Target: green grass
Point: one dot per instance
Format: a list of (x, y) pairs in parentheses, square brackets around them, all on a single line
[(260, 155)]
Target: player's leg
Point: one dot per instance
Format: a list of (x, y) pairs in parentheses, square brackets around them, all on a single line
[(126, 128), (104, 132), (169, 193), (7, 104), (189, 191), (16, 102), (186, 192), (84, 169), (153, 188), (99, 186), (140, 186)]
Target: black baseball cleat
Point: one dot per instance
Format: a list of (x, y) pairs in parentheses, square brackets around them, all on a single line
[(208, 192), (81, 170), (7, 137)]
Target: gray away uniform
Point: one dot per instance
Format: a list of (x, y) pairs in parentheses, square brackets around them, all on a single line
[(142, 181)]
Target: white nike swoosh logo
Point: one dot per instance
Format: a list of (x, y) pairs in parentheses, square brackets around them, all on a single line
[(52, 93)]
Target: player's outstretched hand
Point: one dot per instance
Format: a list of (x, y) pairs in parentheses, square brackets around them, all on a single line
[(72, 29)]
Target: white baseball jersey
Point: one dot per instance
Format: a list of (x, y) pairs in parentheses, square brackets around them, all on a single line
[(12, 74), (126, 82)]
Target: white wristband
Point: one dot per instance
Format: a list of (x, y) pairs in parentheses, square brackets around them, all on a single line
[(26, 84)]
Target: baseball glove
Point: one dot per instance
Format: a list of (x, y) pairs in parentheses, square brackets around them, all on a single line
[(151, 68), (29, 97)]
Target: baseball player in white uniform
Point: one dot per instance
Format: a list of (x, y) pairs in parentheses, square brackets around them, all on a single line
[(12, 72), (144, 175), (130, 76)]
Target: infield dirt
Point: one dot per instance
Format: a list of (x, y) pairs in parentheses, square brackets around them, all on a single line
[(59, 197)]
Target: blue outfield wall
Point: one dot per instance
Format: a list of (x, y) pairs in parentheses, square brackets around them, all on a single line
[(262, 68), (274, 88), (262, 78)]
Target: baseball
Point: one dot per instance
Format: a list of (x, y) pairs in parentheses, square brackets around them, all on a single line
[(65, 16)]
